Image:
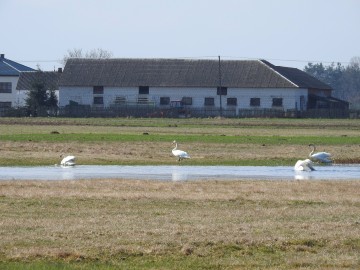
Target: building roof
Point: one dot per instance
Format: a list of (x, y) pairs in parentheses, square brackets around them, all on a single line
[(298, 77), (49, 78), (182, 73), (11, 68)]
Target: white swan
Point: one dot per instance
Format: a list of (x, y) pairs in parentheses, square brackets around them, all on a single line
[(179, 153), (304, 165), (68, 161), (323, 157)]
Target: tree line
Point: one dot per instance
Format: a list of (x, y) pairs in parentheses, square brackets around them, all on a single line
[(345, 80), (41, 100)]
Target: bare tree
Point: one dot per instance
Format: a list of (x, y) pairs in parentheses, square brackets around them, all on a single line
[(98, 54), (94, 53), (355, 62)]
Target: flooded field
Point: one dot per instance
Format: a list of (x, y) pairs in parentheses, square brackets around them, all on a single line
[(179, 173)]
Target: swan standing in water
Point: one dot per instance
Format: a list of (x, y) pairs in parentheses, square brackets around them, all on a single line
[(179, 153), (323, 157), (304, 165), (68, 161)]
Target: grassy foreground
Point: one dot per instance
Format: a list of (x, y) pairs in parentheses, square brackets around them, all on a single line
[(121, 224)]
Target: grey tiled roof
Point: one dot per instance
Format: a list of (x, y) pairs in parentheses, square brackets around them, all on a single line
[(176, 73), (300, 78), (49, 78)]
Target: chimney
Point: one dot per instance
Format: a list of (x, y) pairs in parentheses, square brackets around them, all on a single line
[(59, 70), (2, 55)]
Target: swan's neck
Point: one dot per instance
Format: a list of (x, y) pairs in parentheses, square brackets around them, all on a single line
[(175, 147), (313, 149)]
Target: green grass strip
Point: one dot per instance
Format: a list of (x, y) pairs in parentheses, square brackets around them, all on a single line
[(271, 140)]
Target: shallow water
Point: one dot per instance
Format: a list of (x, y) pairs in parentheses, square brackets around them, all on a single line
[(179, 173)]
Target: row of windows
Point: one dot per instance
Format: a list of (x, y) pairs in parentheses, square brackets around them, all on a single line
[(208, 101), (144, 90)]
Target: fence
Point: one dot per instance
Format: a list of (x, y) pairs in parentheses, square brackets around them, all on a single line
[(261, 113), (325, 113), (144, 110)]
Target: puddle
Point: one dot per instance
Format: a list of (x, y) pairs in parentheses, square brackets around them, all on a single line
[(179, 173)]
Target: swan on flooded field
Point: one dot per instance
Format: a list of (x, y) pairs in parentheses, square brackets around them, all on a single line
[(68, 161), (179, 153), (323, 157), (304, 165)]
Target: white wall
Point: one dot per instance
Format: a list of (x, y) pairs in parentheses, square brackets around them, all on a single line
[(85, 96), (290, 96), (82, 95)]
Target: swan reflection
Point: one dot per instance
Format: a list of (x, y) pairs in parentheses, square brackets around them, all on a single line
[(303, 176), (179, 175)]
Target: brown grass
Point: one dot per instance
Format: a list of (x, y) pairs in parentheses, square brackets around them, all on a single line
[(313, 224), (99, 152), (207, 224), (160, 152)]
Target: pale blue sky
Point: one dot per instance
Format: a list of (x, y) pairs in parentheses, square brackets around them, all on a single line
[(285, 32)]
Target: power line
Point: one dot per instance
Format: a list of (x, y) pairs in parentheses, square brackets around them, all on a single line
[(37, 61), (212, 57)]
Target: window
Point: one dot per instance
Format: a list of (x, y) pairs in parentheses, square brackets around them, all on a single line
[(5, 104), (5, 87), (223, 91), (143, 90), (164, 100), (254, 102), (98, 100), (98, 90), (232, 101), (277, 102), (187, 100), (209, 101)]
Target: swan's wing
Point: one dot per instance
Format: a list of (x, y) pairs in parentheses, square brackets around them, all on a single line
[(185, 155), (180, 153), (176, 153), (322, 156), (68, 159)]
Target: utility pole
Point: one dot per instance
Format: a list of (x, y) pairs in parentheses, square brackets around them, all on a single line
[(220, 87)]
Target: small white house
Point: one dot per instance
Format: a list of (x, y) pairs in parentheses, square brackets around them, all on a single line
[(9, 76), (199, 84)]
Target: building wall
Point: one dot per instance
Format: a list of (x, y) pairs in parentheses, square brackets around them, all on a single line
[(9, 97), (292, 98)]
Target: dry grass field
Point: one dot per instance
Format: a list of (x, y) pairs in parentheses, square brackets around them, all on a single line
[(148, 141), (48, 153), (190, 225), (130, 224)]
